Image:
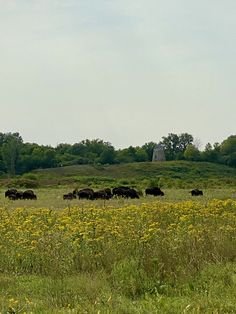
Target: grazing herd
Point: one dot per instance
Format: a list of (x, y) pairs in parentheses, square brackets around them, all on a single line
[(125, 192), (121, 191), (14, 194), (90, 194)]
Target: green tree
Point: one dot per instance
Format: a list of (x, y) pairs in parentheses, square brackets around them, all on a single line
[(125, 155), (44, 157), (80, 149), (185, 139), (148, 147), (227, 151), (175, 145), (108, 155), (192, 153), (2, 164), (231, 160), (26, 162), (228, 146), (63, 148), (11, 151), (210, 153), (141, 154)]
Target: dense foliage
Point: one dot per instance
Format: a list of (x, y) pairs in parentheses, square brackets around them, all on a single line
[(17, 157)]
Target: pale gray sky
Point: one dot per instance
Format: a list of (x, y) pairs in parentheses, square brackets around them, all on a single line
[(125, 71)]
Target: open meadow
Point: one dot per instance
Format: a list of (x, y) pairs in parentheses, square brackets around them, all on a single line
[(171, 254), (117, 157), (52, 198)]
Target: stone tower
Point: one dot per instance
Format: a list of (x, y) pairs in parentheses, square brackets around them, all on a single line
[(158, 153)]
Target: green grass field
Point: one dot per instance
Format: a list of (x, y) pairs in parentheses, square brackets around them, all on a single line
[(52, 198), (171, 254), (125, 287)]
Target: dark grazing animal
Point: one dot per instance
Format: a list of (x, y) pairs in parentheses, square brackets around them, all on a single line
[(69, 196), (75, 192), (104, 194), (155, 191), (10, 192), (196, 192), (29, 195), (120, 191), (125, 192), (86, 194), (13, 194), (12, 197), (108, 192), (131, 193), (19, 195)]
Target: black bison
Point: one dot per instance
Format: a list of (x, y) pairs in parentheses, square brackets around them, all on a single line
[(120, 190), (12, 197), (75, 192), (125, 192), (29, 195), (10, 192), (108, 192), (155, 191), (86, 194), (196, 192), (69, 196), (20, 195), (13, 194), (104, 194), (131, 193)]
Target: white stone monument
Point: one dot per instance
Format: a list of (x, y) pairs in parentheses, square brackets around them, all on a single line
[(158, 153)]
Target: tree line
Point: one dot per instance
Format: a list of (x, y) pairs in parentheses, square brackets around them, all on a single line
[(17, 157)]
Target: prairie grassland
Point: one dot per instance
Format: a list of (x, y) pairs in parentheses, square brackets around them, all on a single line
[(174, 254), (52, 198)]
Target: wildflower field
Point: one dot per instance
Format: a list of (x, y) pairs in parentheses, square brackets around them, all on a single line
[(148, 256)]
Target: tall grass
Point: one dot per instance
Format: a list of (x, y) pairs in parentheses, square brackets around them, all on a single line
[(149, 257)]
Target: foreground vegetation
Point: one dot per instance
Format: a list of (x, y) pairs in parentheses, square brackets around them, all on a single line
[(152, 256)]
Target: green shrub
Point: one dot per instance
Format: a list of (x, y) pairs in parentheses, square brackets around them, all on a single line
[(30, 176), (24, 183)]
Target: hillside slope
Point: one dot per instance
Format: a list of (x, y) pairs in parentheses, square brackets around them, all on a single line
[(181, 174)]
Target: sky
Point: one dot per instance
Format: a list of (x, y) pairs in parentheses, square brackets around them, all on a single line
[(124, 71)]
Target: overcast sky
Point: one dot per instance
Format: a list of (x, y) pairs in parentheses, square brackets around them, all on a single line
[(125, 71)]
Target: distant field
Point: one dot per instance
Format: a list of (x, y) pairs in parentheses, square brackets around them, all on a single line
[(145, 169), (170, 174), (52, 198), (176, 174)]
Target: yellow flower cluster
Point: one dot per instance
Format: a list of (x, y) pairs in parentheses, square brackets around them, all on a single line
[(33, 239)]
